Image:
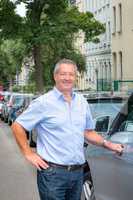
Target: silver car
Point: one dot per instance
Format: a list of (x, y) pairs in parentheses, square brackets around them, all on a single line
[(104, 110), (112, 174)]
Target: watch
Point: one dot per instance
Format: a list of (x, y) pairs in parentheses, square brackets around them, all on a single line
[(104, 143)]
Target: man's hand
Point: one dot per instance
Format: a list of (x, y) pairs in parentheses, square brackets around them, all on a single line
[(36, 160), (118, 148), (94, 138)]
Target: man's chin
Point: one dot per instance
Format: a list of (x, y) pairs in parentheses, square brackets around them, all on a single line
[(67, 89)]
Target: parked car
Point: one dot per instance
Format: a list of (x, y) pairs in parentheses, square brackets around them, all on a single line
[(9, 102), (111, 173), (19, 107), (104, 110), (7, 105), (1, 97), (5, 95), (19, 104), (1, 108)]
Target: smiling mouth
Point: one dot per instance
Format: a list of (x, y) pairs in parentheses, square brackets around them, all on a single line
[(67, 83)]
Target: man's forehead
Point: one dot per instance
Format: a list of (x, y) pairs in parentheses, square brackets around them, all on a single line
[(66, 67)]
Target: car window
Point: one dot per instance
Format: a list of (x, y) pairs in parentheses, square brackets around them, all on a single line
[(18, 100), (102, 124), (98, 109)]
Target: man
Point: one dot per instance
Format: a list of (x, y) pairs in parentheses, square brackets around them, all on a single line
[(62, 119)]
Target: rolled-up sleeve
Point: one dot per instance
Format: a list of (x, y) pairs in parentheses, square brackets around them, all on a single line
[(32, 115), (89, 120)]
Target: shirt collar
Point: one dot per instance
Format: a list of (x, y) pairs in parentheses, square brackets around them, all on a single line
[(59, 94)]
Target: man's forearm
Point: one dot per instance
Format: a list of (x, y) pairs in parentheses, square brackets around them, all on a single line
[(30, 155), (94, 138), (20, 136)]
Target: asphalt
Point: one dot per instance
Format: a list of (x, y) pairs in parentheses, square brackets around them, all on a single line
[(17, 176)]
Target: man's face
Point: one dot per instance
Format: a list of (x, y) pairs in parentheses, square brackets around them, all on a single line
[(65, 77)]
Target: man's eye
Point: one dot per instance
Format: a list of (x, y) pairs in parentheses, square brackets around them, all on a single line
[(71, 74)]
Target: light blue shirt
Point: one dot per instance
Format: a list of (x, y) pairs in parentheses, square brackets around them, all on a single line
[(60, 126)]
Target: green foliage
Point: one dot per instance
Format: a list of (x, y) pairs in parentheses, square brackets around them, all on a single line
[(10, 22), (12, 53), (29, 88), (49, 30), (3, 69)]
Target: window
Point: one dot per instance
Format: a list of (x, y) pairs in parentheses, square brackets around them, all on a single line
[(114, 20), (120, 62), (109, 32), (115, 65), (119, 26)]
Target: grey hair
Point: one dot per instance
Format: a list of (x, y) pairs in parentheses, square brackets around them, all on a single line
[(64, 61)]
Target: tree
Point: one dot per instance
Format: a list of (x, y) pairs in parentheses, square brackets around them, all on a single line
[(12, 53), (10, 22), (48, 31)]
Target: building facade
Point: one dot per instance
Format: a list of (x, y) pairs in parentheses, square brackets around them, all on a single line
[(98, 56), (122, 44)]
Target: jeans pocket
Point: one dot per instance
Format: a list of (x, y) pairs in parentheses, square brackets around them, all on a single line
[(49, 171)]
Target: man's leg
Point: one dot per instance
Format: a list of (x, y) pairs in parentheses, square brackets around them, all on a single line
[(52, 184), (75, 186), (60, 184)]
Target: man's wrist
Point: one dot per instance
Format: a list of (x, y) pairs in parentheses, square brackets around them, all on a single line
[(104, 143)]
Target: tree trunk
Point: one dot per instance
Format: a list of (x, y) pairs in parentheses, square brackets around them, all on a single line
[(10, 84), (38, 68)]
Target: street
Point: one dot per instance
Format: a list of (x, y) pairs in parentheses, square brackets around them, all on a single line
[(17, 176)]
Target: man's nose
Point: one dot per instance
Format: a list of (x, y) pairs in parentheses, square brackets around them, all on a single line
[(67, 77)]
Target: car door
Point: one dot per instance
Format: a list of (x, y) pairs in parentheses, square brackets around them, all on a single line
[(112, 174)]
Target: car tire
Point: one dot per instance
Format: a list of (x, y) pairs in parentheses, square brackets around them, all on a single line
[(88, 191), (32, 143), (5, 119), (9, 122)]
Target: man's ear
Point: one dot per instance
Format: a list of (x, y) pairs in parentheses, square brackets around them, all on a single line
[(54, 76)]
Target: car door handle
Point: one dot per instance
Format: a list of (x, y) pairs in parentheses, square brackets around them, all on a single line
[(127, 154)]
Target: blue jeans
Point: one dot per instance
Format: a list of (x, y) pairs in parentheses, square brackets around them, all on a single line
[(60, 184)]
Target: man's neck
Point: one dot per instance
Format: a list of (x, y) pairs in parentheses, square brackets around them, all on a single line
[(67, 95)]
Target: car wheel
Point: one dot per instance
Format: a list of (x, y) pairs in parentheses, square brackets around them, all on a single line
[(32, 143), (2, 118), (9, 121), (88, 191), (5, 119)]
